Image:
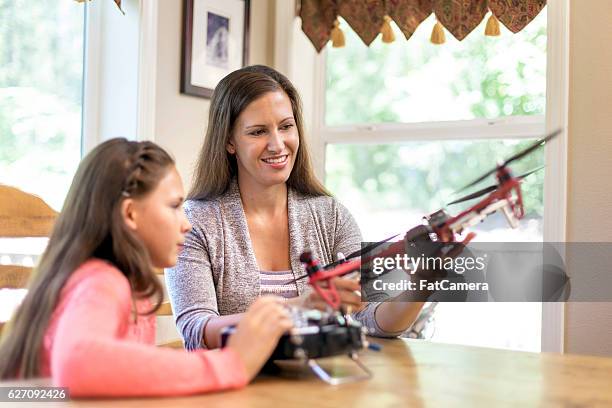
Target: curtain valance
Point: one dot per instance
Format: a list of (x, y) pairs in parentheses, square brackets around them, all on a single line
[(368, 18)]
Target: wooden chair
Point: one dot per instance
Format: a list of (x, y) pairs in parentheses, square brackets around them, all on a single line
[(22, 215), (166, 310)]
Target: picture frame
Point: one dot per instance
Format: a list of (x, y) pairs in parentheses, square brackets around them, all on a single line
[(215, 42)]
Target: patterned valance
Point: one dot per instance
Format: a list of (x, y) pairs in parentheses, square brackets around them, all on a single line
[(368, 18)]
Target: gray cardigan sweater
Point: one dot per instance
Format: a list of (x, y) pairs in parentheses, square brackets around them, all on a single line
[(217, 273)]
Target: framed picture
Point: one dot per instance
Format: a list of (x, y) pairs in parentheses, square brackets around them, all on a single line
[(215, 43)]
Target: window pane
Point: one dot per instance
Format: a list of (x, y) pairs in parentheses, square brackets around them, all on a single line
[(41, 75), (417, 81), (41, 81), (412, 179), (403, 182)]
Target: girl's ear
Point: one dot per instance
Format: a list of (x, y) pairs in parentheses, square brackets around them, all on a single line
[(128, 214)]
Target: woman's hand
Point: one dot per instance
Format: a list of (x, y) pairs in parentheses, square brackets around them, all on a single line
[(348, 289), (258, 332)]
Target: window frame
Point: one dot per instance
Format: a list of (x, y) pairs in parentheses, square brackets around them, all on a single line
[(508, 127), (292, 49), (119, 100)]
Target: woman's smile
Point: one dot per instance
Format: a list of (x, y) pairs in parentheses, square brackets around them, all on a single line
[(276, 162)]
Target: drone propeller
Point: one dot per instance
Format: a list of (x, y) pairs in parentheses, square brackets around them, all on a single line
[(489, 189), (474, 195), (295, 280), (360, 252), (516, 156), (355, 254)]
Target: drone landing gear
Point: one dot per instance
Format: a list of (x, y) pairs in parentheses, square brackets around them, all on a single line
[(335, 380)]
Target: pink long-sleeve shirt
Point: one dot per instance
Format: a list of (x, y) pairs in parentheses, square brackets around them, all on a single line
[(96, 346)]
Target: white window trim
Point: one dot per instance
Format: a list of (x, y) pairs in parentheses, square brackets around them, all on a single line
[(509, 127), (147, 70), (292, 49), (102, 85), (555, 179), (91, 78)]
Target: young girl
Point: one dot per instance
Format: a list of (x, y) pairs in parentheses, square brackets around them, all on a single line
[(88, 321)]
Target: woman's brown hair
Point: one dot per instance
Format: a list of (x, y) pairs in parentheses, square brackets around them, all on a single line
[(89, 225), (216, 167)]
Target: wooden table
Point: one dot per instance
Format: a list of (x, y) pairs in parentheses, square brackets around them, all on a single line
[(419, 373)]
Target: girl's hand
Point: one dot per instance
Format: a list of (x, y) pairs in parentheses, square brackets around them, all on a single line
[(258, 332)]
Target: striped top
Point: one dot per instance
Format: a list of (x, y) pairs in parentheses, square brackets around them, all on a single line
[(279, 283)]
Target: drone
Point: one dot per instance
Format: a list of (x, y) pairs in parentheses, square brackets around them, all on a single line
[(334, 332), (438, 226)]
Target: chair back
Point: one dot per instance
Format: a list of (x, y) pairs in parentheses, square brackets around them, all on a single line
[(22, 215), (165, 323)]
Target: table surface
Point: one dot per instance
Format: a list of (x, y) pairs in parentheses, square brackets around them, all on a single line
[(420, 373)]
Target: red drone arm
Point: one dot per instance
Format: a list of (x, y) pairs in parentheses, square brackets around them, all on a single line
[(317, 274)]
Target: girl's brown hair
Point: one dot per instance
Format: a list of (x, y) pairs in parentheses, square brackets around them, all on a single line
[(89, 225), (216, 167)]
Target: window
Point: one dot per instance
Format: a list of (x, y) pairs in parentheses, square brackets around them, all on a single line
[(416, 81), (41, 83), (406, 124)]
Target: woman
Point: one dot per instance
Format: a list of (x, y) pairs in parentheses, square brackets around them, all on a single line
[(87, 320), (255, 206)]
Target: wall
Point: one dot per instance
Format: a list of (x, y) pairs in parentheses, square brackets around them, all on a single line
[(588, 326), (181, 119)]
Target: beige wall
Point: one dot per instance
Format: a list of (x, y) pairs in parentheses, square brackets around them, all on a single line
[(181, 119), (589, 325)]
